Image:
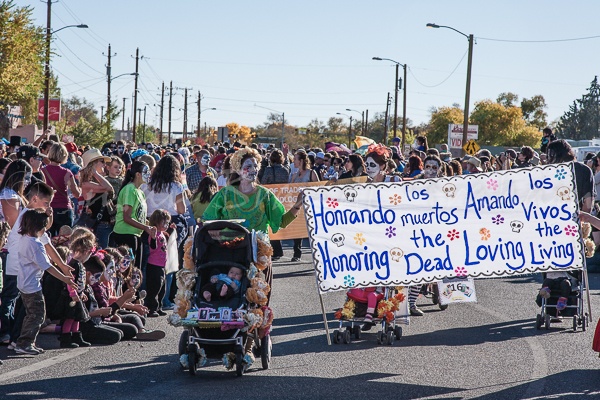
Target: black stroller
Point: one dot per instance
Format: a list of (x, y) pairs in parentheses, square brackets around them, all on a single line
[(574, 309), (220, 245)]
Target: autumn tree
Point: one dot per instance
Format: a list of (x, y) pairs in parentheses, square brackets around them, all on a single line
[(438, 124), (22, 52), (507, 99)]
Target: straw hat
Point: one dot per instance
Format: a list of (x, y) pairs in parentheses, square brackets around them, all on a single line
[(92, 155), (475, 162)]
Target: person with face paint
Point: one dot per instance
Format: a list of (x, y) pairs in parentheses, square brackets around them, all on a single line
[(122, 153), (132, 211), (200, 170), (60, 179), (431, 168), (376, 164), (32, 155)]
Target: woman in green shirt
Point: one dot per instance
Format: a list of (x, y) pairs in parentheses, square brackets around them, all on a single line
[(131, 211)]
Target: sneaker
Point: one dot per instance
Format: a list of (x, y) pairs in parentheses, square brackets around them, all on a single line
[(276, 258), (545, 292), (295, 259), (150, 335), (561, 304), (30, 350), (152, 314), (5, 339), (169, 307), (414, 311), (161, 313), (42, 351), (12, 346)]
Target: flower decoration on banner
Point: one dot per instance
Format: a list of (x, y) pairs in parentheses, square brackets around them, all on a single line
[(570, 230), (333, 203), (485, 234), (453, 234), (379, 149), (492, 184), (359, 239), (395, 199), (498, 219), (561, 174), (349, 280), (390, 231), (461, 272)]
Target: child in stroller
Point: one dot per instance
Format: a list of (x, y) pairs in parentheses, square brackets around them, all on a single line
[(223, 286)]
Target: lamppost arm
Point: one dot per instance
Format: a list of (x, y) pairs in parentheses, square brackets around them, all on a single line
[(69, 26), (447, 27)]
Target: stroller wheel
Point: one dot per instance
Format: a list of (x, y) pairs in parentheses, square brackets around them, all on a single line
[(583, 320), (538, 322), (398, 332), (547, 322), (335, 337), (192, 357), (239, 365), (575, 323), (435, 294), (380, 336), (390, 338), (265, 351), (183, 342), (356, 331), (347, 336), (443, 307)]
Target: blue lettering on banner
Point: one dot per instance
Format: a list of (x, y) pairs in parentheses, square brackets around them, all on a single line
[(344, 263)]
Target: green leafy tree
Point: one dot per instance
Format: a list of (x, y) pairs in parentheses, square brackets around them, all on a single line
[(582, 120), (533, 111), (440, 118), (507, 99)]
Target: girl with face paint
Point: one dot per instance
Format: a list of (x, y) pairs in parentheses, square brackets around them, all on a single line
[(132, 211), (376, 164)]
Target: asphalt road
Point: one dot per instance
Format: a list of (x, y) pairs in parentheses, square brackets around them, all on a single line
[(488, 350)]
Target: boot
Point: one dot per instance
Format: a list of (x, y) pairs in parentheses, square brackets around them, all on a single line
[(66, 341), (78, 339)]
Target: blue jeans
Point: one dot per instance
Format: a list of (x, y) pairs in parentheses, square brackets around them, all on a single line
[(168, 281), (102, 234)]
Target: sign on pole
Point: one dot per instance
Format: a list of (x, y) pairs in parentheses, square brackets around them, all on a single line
[(455, 135), (471, 147), (53, 112)]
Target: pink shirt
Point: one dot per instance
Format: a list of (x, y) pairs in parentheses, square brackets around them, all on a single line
[(158, 256), (58, 177)]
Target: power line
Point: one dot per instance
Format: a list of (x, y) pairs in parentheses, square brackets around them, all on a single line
[(152, 69), (71, 62), (77, 83), (298, 104), (90, 67), (88, 30), (448, 77), (540, 41), (272, 65), (75, 32)]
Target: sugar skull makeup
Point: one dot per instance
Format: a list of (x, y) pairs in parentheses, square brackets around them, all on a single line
[(431, 169), (205, 160), (135, 279), (146, 174), (249, 170), (125, 264), (109, 273), (372, 168), (27, 179), (95, 278)]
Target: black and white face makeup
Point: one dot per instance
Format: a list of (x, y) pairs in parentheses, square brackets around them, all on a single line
[(431, 169), (249, 170), (372, 168), (95, 278), (146, 174), (124, 266), (109, 273), (205, 160), (135, 279), (27, 179)]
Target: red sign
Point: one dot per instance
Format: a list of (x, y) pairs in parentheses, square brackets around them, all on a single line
[(54, 112)]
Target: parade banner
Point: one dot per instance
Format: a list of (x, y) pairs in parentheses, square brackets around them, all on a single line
[(481, 225), (287, 193), (457, 291)]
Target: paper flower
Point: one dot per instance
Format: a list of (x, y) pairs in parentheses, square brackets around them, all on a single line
[(390, 231), (498, 219), (492, 184), (453, 234)]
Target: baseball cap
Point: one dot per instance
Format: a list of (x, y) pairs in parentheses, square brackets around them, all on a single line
[(311, 153), (320, 155), (396, 139), (27, 151)]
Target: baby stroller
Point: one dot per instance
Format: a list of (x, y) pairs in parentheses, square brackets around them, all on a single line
[(221, 245), (574, 308), (389, 330)]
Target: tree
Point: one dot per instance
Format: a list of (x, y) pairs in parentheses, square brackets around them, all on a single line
[(533, 111), (582, 120), (22, 54), (81, 122), (440, 118), (507, 99)]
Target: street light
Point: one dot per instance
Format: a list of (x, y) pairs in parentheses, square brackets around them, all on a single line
[(47, 66), (282, 120), (362, 125), (200, 118), (396, 100), (350, 130), (468, 91)]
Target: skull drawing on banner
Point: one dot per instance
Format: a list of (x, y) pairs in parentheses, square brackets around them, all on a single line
[(449, 189), (350, 194), (516, 226), (564, 193), (338, 239), (396, 254)]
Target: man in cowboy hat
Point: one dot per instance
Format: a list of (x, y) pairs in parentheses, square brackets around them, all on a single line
[(473, 165)]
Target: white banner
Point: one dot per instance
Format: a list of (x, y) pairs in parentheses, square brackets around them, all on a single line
[(483, 225), (457, 291)]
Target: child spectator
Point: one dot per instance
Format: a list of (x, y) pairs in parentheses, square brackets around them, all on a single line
[(34, 261), (155, 269)]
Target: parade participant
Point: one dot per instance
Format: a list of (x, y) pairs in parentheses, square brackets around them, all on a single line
[(123, 154), (201, 199), (60, 179), (414, 167), (421, 143), (32, 155), (376, 164), (355, 167), (198, 171), (525, 157), (225, 172)]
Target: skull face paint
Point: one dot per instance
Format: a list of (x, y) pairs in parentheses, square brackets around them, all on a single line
[(205, 160), (431, 169), (125, 264), (109, 273), (95, 278), (146, 174), (249, 170), (372, 168), (135, 279), (27, 179)]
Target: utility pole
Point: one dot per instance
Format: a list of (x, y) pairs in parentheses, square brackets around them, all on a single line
[(144, 132), (123, 123), (396, 102), (185, 117), (162, 104), (467, 96), (108, 72), (387, 106), (170, 109), (137, 57), (139, 110), (404, 111), (350, 133), (47, 70), (367, 123), (101, 114), (282, 128), (199, 103)]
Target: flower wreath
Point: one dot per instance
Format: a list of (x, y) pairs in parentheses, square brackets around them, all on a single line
[(236, 159), (379, 149)]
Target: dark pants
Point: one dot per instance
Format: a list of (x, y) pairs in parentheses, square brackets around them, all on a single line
[(129, 330), (155, 286), (133, 319), (277, 249), (36, 312), (100, 334), (60, 217), (298, 248), (19, 314), (562, 284), (8, 297), (118, 239)]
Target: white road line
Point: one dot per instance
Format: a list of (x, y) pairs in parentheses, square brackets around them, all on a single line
[(43, 364)]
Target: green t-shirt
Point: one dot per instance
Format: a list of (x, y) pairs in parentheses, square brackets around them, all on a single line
[(134, 197)]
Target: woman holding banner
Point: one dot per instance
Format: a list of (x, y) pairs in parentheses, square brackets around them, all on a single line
[(304, 174)]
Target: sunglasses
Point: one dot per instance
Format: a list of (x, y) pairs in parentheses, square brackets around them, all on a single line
[(39, 158)]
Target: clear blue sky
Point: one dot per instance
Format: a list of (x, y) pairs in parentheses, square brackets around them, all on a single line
[(311, 59)]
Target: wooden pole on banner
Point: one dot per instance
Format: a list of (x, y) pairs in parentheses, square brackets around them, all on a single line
[(325, 319), (587, 293)]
